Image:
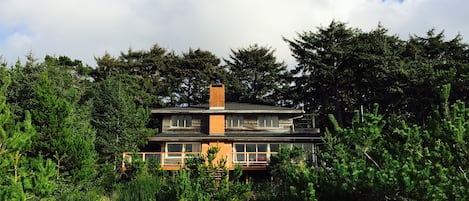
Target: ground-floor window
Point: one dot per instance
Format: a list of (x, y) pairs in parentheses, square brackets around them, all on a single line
[(176, 150), (254, 152), (261, 152)]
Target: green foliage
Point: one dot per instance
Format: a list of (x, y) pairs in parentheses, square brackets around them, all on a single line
[(119, 121), (142, 188), (208, 179), (324, 73), (293, 177), (408, 152), (63, 136), (253, 71), (203, 179), (21, 176), (341, 68), (407, 163), (196, 71)]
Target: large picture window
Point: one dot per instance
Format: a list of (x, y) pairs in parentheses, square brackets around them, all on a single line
[(181, 121), (176, 150), (234, 121), (267, 121), (254, 152)]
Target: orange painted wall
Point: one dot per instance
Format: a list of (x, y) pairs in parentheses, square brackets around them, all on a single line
[(216, 124), (225, 152)]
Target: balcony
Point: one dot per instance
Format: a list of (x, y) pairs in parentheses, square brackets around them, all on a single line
[(176, 160)]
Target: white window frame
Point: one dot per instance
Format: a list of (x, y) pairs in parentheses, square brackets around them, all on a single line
[(246, 158), (182, 121), (196, 147), (262, 121), (234, 121)]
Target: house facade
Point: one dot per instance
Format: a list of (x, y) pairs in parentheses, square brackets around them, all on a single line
[(246, 134)]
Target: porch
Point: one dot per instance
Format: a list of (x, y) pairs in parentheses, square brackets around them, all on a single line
[(176, 160)]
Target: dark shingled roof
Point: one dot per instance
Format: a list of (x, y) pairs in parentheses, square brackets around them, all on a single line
[(229, 107)]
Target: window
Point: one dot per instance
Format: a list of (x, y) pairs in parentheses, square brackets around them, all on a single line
[(234, 121), (181, 121), (253, 153), (176, 150), (267, 121)]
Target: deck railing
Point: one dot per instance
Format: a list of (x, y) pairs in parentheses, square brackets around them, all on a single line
[(179, 159)]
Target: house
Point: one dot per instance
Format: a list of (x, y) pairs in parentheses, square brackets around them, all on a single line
[(246, 134)]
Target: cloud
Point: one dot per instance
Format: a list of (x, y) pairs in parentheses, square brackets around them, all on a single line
[(84, 29)]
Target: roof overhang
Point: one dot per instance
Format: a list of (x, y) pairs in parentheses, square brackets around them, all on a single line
[(235, 139), (223, 111)]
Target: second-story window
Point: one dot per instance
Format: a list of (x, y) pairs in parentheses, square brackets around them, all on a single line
[(234, 121), (267, 121), (181, 121)]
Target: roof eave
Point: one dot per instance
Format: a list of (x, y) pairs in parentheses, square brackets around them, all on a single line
[(207, 111)]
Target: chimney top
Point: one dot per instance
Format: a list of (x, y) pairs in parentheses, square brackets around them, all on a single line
[(217, 96)]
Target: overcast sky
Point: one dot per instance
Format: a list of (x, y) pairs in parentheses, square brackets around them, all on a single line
[(85, 29)]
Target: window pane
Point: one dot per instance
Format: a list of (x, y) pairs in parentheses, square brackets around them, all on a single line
[(240, 157), (252, 156), (174, 148), (196, 147), (239, 147), (261, 157), (250, 147), (181, 121), (274, 147), (188, 148), (275, 121), (270, 121), (174, 121), (261, 147), (188, 121), (261, 121), (235, 123)]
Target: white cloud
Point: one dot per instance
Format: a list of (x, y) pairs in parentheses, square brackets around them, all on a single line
[(83, 29)]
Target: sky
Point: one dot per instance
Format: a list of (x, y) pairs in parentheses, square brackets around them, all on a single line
[(86, 29)]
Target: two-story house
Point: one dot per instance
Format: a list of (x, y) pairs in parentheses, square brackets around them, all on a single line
[(246, 134)]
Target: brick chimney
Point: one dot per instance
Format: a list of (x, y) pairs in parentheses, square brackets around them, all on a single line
[(217, 102), (217, 96)]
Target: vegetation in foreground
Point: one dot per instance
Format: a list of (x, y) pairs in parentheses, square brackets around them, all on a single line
[(63, 125)]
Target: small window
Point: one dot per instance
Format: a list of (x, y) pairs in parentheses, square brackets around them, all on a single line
[(268, 121), (234, 121), (181, 121)]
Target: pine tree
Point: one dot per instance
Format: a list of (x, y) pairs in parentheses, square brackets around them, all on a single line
[(256, 76), (21, 177), (119, 121)]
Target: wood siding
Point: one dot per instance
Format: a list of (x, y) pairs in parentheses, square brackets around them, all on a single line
[(200, 124)]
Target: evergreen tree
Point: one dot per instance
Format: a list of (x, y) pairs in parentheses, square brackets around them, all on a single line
[(256, 76), (368, 162), (154, 71), (324, 74), (432, 62), (197, 70), (119, 122), (21, 177), (59, 136)]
